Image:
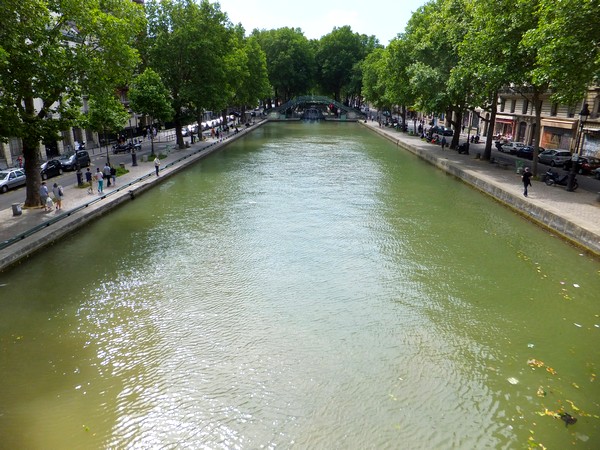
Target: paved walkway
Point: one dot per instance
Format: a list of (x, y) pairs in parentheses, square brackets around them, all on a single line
[(574, 215)]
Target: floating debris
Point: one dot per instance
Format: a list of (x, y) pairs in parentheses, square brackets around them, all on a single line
[(530, 345), (513, 380), (541, 392), (575, 285), (568, 419), (576, 324)]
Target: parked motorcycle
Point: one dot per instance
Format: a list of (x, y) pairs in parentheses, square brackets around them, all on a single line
[(126, 147), (552, 177)]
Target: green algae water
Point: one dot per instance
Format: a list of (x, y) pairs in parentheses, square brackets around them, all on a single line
[(309, 286)]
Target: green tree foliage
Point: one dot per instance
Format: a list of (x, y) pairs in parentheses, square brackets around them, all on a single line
[(290, 61), (50, 54), (149, 96), (567, 39), (339, 54), (106, 114), (188, 46)]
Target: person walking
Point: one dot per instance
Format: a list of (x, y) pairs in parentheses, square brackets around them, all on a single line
[(58, 195), (100, 179), (113, 175), (88, 180), (106, 173), (44, 196), (444, 142), (156, 165), (526, 178)]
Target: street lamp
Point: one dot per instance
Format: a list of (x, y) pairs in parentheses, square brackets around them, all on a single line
[(583, 115)]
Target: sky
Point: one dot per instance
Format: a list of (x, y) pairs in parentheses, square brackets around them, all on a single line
[(317, 18)]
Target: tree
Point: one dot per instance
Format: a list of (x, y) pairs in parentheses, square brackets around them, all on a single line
[(338, 54), (52, 53), (106, 114), (290, 61), (567, 39), (149, 96), (187, 46)]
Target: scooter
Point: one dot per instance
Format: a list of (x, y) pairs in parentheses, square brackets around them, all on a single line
[(554, 178)]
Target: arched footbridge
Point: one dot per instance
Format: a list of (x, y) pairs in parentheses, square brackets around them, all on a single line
[(314, 107)]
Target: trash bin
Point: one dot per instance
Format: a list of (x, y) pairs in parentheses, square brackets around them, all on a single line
[(16, 209), (133, 159)]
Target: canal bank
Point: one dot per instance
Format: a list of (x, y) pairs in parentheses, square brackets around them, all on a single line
[(34, 229), (574, 216)]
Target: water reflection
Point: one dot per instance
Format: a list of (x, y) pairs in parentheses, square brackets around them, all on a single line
[(311, 285)]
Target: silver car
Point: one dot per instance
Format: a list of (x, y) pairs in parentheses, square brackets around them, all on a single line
[(11, 178), (554, 157)]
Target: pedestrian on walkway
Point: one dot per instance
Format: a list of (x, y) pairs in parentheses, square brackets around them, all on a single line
[(44, 195), (100, 179), (526, 178), (113, 176), (88, 180), (106, 173), (156, 165), (444, 142), (58, 195)]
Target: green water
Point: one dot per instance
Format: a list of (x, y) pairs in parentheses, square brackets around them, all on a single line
[(310, 286)]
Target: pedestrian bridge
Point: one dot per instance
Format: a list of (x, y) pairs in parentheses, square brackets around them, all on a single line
[(314, 107)]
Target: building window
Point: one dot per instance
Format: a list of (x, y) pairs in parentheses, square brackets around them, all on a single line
[(513, 105), (525, 106), (571, 111), (502, 105), (554, 109)]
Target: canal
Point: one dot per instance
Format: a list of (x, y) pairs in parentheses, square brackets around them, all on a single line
[(309, 286)]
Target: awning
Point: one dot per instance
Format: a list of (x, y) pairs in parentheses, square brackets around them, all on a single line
[(559, 123)]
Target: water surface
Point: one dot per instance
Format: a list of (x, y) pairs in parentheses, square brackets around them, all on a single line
[(310, 286)]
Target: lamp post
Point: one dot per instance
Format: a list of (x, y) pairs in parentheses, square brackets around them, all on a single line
[(583, 115)]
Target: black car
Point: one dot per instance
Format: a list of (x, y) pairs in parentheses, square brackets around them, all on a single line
[(51, 168), (527, 152), (80, 158), (441, 130)]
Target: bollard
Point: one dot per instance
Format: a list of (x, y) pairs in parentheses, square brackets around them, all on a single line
[(16, 209), (133, 159)]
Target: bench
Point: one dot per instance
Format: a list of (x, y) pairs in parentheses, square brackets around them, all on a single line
[(504, 163)]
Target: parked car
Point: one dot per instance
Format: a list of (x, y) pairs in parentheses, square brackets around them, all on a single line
[(441, 130), (11, 178), (511, 147), (80, 158), (597, 173), (554, 157), (527, 152), (590, 165), (51, 168)]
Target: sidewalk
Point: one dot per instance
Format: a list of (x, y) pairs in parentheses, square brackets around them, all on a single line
[(572, 215), (27, 233)]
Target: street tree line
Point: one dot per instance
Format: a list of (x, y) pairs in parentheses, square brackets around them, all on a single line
[(457, 55), (176, 59)]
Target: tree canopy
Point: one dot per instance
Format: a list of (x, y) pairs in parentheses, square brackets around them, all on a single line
[(53, 53)]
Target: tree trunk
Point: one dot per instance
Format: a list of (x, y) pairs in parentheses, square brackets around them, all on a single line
[(31, 154), (537, 103), (487, 153), (457, 127)]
